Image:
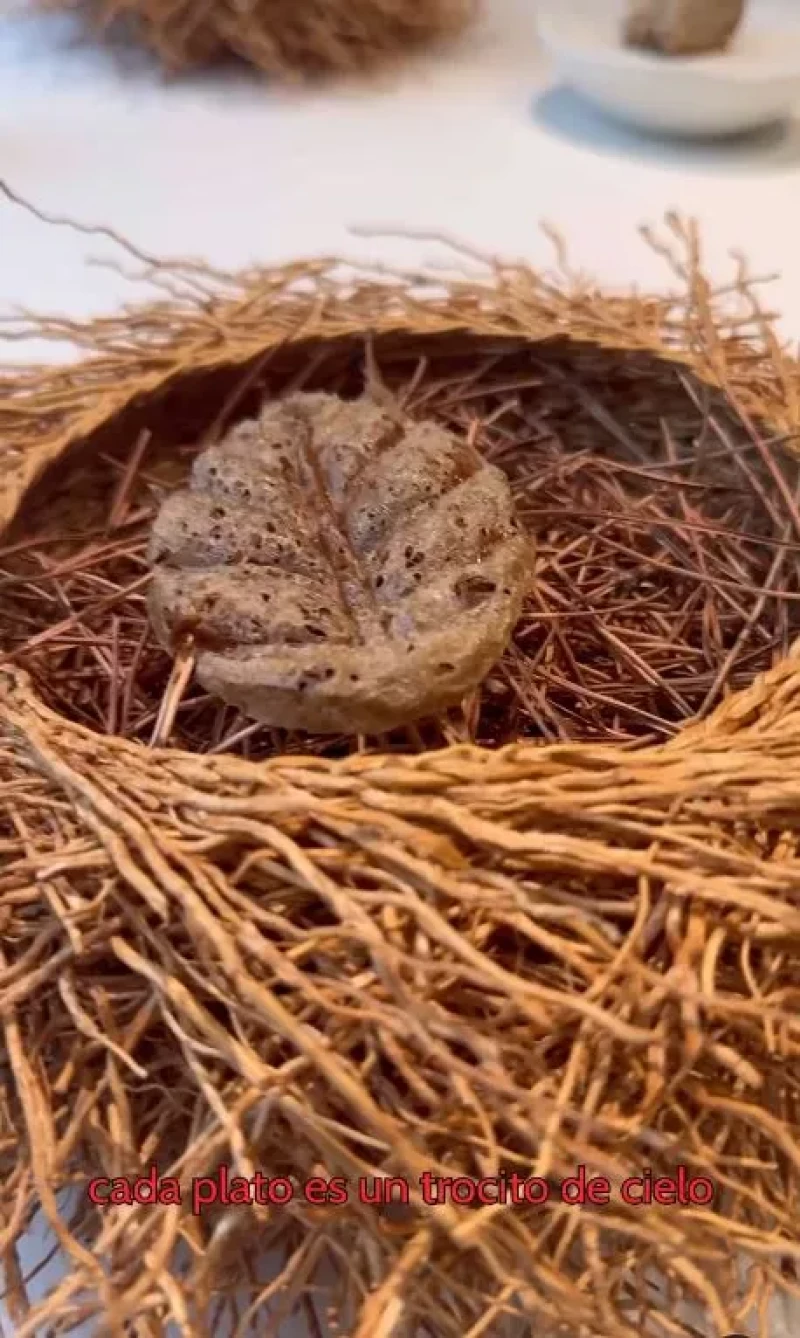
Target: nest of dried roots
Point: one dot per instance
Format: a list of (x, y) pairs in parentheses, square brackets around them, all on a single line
[(558, 928), (287, 39)]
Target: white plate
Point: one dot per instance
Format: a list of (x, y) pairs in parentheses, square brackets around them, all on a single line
[(754, 83)]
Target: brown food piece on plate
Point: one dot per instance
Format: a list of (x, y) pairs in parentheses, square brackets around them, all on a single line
[(341, 568), (683, 27)]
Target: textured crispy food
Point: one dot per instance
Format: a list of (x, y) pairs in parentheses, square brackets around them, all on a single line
[(683, 27), (339, 567)]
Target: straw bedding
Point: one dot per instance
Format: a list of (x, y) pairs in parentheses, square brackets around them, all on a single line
[(556, 928)]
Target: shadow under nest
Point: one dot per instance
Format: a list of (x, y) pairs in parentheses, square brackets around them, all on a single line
[(666, 574), (456, 998)]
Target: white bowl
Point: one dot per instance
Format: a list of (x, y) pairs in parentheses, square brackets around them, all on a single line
[(756, 82)]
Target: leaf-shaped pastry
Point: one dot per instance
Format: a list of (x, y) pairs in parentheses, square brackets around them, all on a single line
[(683, 27), (341, 568)]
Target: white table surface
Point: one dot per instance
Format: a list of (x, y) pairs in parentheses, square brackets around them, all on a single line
[(477, 146)]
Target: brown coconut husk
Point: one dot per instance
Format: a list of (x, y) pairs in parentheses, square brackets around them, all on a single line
[(286, 39), (463, 960)]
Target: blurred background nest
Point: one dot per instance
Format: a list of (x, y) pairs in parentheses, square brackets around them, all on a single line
[(285, 39)]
